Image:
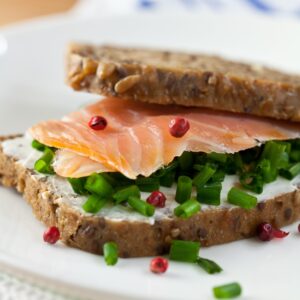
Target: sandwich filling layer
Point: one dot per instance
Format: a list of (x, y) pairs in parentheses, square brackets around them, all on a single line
[(137, 140), (21, 150)]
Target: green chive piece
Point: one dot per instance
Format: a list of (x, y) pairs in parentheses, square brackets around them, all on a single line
[(184, 251), (110, 253), (94, 204), (37, 145), (265, 170), (186, 160), (123, 194), (238, 197), (210, 193), (209, 266), (276, 153), (290, 172), (253, 182), (147, 184), (97, 184), (43, 165), (187, 209), (141, 206), (203, 176), (218, 157), (168, 179), (227, 291), (184, 189), (295, 155), (78, 185), (218, 176)]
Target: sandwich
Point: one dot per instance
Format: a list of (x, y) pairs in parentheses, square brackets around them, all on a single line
[(182, 146)]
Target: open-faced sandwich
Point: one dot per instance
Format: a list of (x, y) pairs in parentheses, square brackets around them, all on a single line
[(186, 147)]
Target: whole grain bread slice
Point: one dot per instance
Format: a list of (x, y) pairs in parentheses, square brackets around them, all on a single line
[(166, 77), (134, 239)]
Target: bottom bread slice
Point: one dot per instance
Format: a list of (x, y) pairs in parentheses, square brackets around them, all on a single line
[(137, 238)]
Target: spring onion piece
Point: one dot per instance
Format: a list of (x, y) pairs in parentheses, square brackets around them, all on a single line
[(93, 204), (210, 193), (203, 176), (209, 266), (276, 153), (147, 184), (218, 176), (240, 198), (43, 165), (186, 161), (141, 206), (218, 157), (187, 209), (37, 145), (291, 172), (253, 182), (110, 253), (168, 179), (123, 194), (184, 251), (227, 291), (78, 185), (97, 184), (295, 155), (163, 171), (184, 189)]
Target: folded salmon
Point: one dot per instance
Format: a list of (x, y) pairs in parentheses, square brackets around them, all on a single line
[(137, 140)]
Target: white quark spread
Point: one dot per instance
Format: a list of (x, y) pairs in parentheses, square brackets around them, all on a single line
[(20, 149)]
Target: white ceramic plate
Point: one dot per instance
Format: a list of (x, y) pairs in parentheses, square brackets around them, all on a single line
[(32, 89)]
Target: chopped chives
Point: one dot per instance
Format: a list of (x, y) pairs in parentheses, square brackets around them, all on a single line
[(163, 171), (238, 162), (209, 266), (123, 194), (187, 209), (97, 184), (37, 145), (93, 204), (141, 206), (252, 182), (275, 153), (218, 157), (168, 179), (210, 193), (184, 189), (295, 155), (186, 160), (203, 176), (291, 172), (238, 197), (78, 185), (227, 291), (184, 251), (147, 184), (43, 165), (218, 176), (264, 169), (110, 253)]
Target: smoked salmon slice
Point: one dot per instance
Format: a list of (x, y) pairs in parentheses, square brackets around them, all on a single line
[(137, 140)]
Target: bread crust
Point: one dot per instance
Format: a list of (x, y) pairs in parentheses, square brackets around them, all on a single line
[(135, 239), (185, 79)]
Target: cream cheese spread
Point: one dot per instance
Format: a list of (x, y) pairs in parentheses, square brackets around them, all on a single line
[(20, 149)]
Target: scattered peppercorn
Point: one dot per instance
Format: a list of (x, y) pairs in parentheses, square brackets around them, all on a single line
[(51, 235), (97, 123), (159, 265)]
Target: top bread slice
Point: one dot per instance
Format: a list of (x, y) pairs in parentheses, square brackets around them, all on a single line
[(165, 77)]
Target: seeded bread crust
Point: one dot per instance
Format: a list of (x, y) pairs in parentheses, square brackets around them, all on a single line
[(185, 79), (134, 239)]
